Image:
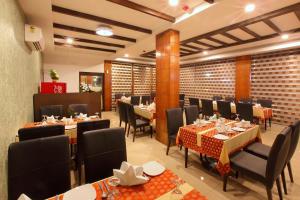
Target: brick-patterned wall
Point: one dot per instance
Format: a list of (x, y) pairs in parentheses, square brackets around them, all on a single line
[(142, 79), (276, 76), (206, 79)]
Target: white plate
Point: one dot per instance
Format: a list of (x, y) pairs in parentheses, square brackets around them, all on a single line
[(86, 192), (238, 129), (153, 168), (68, 127), (221, 137)]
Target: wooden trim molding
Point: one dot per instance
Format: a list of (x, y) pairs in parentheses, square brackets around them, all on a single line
[(144, 9), (243, 77), (84, 47), (107, 85)]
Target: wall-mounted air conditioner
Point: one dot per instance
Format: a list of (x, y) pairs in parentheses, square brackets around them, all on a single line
[(34, 37)]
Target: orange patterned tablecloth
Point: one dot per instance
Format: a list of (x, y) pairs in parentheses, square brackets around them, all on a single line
[(201, 140), (157, 187)]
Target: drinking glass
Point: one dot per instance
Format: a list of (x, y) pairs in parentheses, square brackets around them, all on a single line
[(44, 118), (56, 118), (177, 194), (113, 192), (237, 118), (97, 114)]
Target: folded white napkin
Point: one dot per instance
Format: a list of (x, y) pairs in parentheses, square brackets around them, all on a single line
[(51, 119), (23, 197), (130, 175)]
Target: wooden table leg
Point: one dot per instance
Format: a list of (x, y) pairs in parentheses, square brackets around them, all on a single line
[(186, 156)]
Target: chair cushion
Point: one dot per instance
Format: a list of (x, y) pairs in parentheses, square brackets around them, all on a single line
[(259, 149), (140, 122), (250, 165)]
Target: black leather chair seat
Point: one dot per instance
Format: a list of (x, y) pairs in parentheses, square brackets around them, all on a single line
[(140, 122), (250, 164), (259, 149)]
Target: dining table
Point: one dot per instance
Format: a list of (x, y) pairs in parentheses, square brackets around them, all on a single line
[(157, 188), (202, 139)]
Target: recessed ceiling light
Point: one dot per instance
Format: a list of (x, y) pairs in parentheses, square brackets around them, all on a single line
[(157, 54), (70, 40), (250, 7), (173, 2), (285, 36), (205, 52), (104, 30), (126, 55)]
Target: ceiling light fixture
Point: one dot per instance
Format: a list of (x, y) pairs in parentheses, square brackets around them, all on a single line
[(157, 54), (285, 36), (173, 3), (205, 52), (126, 55), (104, 30), (70, 40), (249, 7)]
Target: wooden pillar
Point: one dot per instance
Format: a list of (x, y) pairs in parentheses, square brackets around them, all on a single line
[(107, 85), (243, 77), (167, 79)]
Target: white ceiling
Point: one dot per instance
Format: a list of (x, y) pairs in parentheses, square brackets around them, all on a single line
[(221, 14)]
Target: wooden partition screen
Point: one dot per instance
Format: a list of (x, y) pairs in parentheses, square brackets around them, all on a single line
[(92, 99)]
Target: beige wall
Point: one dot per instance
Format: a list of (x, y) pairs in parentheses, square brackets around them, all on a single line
[(19, 80), (70, 74)]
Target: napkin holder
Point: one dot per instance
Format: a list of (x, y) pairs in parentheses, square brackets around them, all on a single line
[(130, 175)]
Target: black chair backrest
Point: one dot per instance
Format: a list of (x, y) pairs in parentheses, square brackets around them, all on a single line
[(265, 103), (217, 98), (88, 126), (245, 111), (191, 114), (145, 100), (181, 96), (40, 132), (122, 112), (79, 108), (118, 96), (207, 107), (231, 99), (194, 102), (39, 168), (174, 120), (152, 95), (224, 108), (131, 115), (135, 100), (55, 110), (104, 150), (181, 104), (278, 155), (295, 139), (246, 100)]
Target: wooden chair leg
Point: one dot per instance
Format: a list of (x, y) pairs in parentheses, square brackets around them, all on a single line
[(269, 193), (225, 179), (168, 147), (270, 121), (290, 171), (151, 131), (120, 123), (236, 174), (279, 188), (134, 132), (186, 153), (128, 130), (125, 127), (283, 182), (265, 124)]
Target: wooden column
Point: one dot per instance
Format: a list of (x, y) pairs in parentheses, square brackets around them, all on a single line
[(167, 79), (107, 85), (243, 77)]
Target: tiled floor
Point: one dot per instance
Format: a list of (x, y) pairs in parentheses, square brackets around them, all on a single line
[(145, 149)]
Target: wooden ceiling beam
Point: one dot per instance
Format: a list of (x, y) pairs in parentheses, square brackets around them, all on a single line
[(144, 9), (191, 46), (297, 13), (81, 30), (183, 50), (217, 41), (210, 1), (204, 44), (250, 32), (232, 37), (84, 47), (99, 19), (89, 41), (272, 25)]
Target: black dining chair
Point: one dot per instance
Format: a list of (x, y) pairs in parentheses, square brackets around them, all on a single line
[(145, 100), (217, 98), (195, 102), (263, 151), (49, 110), (40, 132), (123, 116), (174, 122), (39, 168), (181, 97), (103, 151), (207, 108), (118, 96), (265, 171), (152, 95), (231, 99), (191, 114), (224, 109), (246, 100), (266, 103), (81, 128), (245, 111), (78, 108), (181, 104), (136, 123), (135, 100)]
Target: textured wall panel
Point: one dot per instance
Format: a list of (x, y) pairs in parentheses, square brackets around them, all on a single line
[(142, 80), (276, 76)]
